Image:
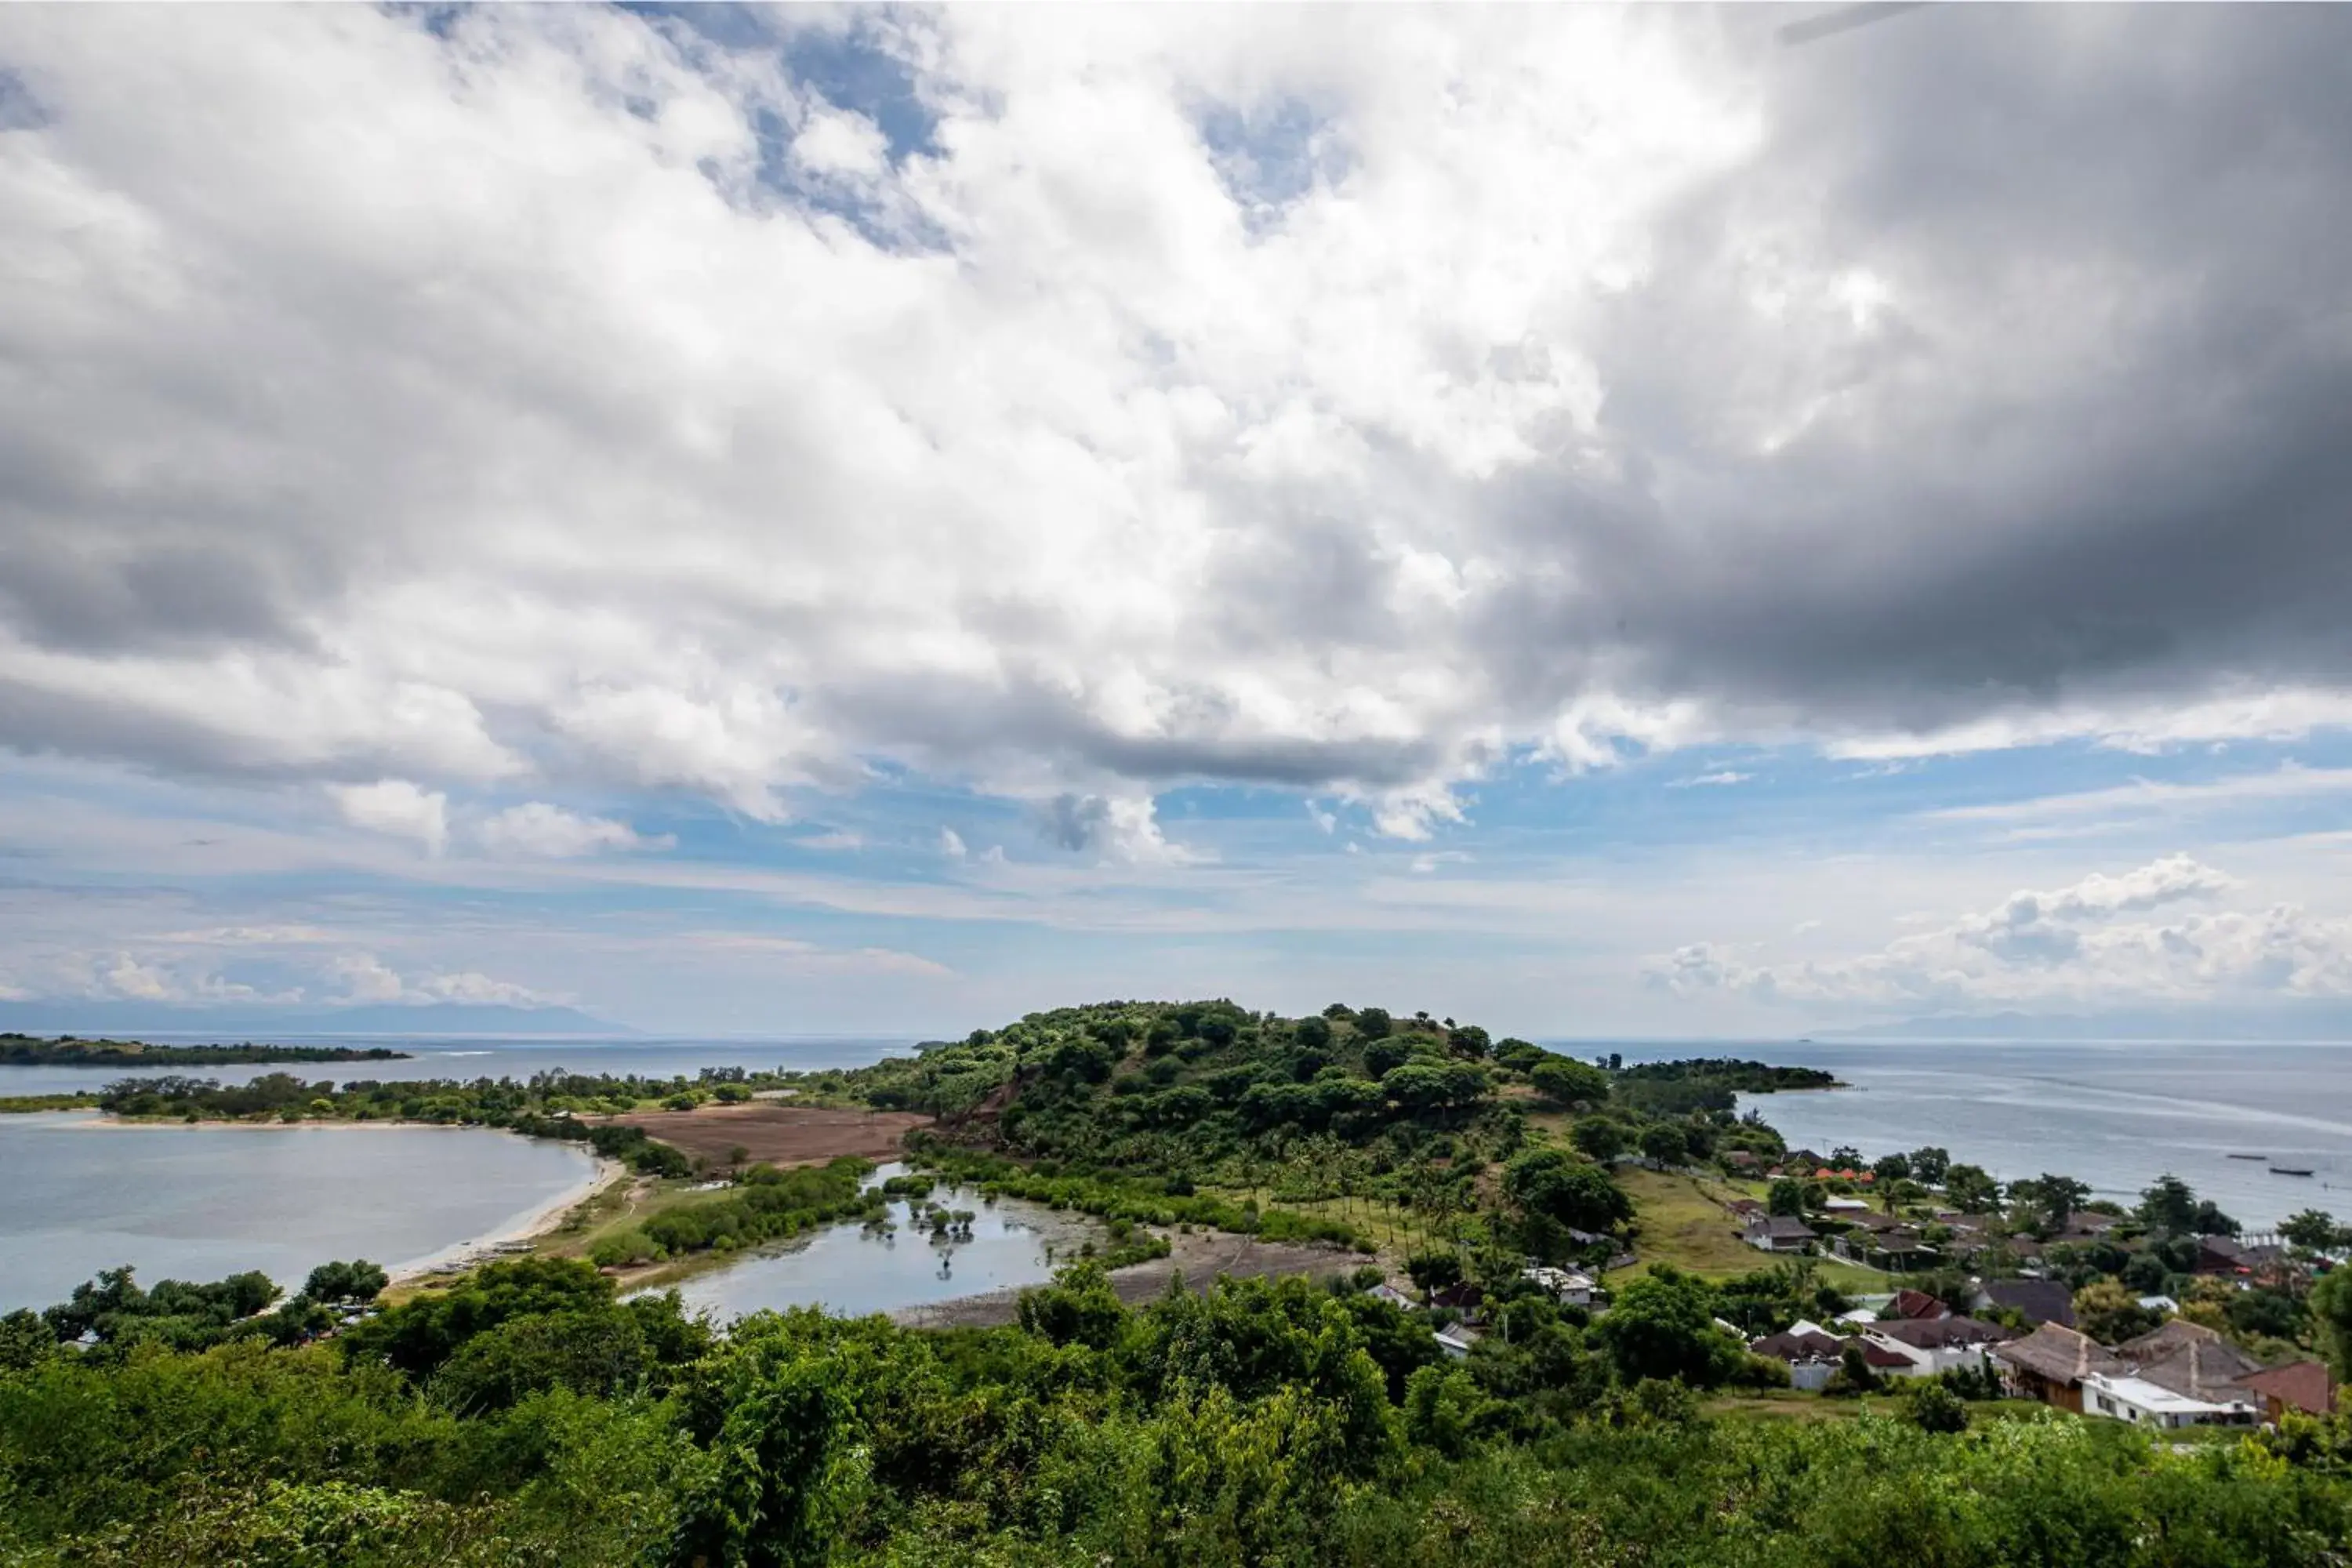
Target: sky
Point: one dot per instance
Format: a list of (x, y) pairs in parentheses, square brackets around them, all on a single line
[(1598, 521)]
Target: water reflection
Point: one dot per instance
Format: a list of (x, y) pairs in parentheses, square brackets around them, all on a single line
[(201, 1202), (908, 1259)]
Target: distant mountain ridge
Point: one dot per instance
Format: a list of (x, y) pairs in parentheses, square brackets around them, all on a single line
[(121, 1019)]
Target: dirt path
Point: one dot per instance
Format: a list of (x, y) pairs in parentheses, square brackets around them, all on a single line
[(1199, 1257), (779, 1134)]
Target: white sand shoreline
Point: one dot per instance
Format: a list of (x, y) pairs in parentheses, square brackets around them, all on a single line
[(529, 1225)]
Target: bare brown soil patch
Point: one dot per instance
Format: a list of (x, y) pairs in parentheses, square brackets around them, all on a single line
[(779, 1134)]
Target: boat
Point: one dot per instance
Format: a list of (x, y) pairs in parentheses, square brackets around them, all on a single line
[(2249, 1156), (2290, 1170)]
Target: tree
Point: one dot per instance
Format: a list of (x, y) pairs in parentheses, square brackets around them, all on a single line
[(1373, 1022), (789, 1468), (1663, 1142), (2211, 1221), (1599, 1136), (1315, 1034), (25, 1341), (2110, 1313), (1971, 1189), (1568, 1192), (2313, 1229), (2053, 1197), (1434, 1270), (2170, 1207), (1564, 1081), (1662, 1325), (1785, 1196), (1892, 1168), (1932, 1407), (2331, 1311), (358, 1281), (1846, 1157), (1930, 1165)]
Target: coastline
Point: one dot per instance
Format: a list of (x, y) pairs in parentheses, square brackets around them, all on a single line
[(529, 1225)]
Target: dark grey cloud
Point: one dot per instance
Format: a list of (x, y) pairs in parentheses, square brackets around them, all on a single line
[(2098, 445), (2005, 372)]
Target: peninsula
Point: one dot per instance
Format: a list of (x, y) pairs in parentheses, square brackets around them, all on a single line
[(70, 1051)]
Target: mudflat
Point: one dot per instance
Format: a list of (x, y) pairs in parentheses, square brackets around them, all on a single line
[(779, 1134)]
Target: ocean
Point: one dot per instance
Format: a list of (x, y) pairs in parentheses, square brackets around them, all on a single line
[(2115, 1116), (203, 1203)]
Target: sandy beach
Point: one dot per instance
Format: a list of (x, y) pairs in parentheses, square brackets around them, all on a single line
[(529, 1225)]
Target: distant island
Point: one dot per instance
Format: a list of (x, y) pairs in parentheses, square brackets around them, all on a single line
[(68, 1051)]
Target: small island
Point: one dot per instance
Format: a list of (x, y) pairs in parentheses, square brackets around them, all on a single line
[(70, 1051)]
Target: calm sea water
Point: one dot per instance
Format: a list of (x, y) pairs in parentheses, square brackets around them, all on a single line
[(201, 1202), (845, 1270), (205, 1202), (467, 1059), (2114, 1115)]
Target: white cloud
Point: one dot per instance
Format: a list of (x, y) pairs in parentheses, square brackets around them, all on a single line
[(397, 807), (2141, 797), (952, 844), (2071, 945), (1122, 830), (808, 957), (538, 828), (1699, 781), (365, 978), (1198, 401)]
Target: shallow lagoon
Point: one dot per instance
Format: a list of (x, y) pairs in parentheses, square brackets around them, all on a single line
[(202, 1203), (848, 1271)]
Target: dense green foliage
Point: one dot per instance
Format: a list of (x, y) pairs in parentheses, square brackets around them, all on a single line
[(68, 1051), (1386, 1124), (526, 1417)]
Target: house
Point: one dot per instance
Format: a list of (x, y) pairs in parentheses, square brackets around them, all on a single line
[(1932, 1345), (1843, 1206), (2146, 1403), (2050, 1364), (2040, 1301), (1454, 1342), (1392, 1296), (2228, 1256), (1812, 1355), (1883, 1243), (2303, 1385), (1464, 1298), (1917, 1304), (1778, 1233), (1741, 1160), (2085, 1225), (2163, 1306), (2194, 1362), (1743, 1207), (1569, 1286)]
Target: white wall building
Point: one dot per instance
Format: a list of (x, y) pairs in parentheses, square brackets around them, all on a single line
[(2142, 1403)]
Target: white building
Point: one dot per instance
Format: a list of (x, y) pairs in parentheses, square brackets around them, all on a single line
[(1934, 1345), (2136, 1400), (1569, 1286)]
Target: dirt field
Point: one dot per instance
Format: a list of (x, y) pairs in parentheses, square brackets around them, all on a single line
[(1199, 1257), (779, 1134)]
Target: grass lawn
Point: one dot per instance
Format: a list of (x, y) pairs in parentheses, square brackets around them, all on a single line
[(1790, 1404), (1683, 1222)]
